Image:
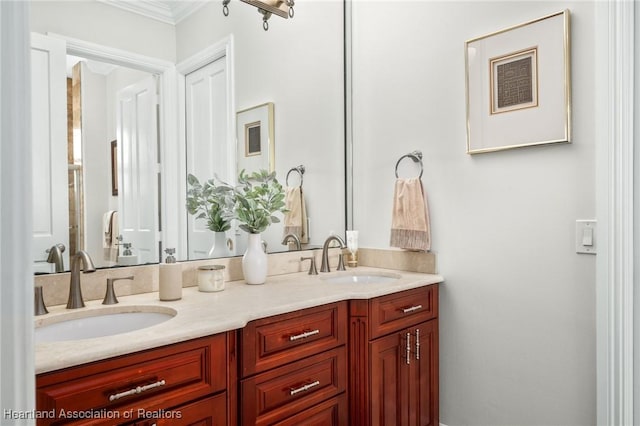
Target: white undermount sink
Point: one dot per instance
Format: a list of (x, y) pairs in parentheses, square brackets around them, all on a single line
[(361, 278), (100, 322)]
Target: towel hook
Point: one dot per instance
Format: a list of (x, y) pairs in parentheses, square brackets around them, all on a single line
[(416, 156), (300, 170)]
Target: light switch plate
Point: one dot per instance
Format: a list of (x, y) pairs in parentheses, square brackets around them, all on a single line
[(585, 234)]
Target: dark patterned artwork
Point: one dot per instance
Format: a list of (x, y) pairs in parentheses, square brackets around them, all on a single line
[(253, 144), (514, 81)]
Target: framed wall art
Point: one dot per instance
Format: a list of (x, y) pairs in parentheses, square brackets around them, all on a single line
[(256, 139), (518, 86)]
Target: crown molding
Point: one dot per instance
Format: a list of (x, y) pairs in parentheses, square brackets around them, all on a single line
[(167, 11)]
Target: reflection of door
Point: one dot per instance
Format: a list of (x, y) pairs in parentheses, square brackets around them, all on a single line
[(49, 136), (207, 140), (138, 168)]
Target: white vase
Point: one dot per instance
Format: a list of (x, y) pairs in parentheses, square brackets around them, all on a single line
[(220, 248), (254, 261)]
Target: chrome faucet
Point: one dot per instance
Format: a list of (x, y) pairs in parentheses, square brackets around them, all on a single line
[(293, 237), (55, 256), (75, 292), (325, 253)]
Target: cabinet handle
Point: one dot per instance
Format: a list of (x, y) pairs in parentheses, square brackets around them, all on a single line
[(303, 335), (408, 348), (304, 387), (417, 343), (137, 390), (411, 309)]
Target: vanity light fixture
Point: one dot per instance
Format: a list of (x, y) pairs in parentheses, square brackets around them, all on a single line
[(283, 8)]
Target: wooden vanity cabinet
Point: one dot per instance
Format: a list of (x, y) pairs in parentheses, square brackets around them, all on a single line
[(181, 384), (293, 368), (393, 362)]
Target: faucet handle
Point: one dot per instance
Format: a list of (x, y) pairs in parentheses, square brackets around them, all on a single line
[(110, 295), (341, 263), (312, 266), (40, 308)]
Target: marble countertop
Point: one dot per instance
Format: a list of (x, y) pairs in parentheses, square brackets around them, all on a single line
[(201, 314)]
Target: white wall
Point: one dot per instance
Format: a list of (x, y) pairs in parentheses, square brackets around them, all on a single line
[(517, 325), (298, 65), (96, 22)]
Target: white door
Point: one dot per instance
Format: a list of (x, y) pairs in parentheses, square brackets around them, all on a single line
[(138, 168), (49, 135), (208, 152)]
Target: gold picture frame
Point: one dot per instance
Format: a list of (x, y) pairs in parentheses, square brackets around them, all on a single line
[(256, 138), (518, 86)]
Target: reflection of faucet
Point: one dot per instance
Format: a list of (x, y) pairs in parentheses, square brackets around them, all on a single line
[(55, 256), (75, 292), (325, 254), (293, 237)]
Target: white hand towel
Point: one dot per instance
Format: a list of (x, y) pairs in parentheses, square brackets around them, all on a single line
[(410, 227), (111, 231), (295, 220)]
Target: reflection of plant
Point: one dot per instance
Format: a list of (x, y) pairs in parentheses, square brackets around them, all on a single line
[(256, 198), (211, 202)]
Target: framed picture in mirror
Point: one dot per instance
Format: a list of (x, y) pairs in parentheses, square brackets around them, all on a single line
[(256, 138), (114, 168), (518, 86)]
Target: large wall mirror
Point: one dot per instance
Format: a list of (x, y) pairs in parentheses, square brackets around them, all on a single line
[(297, 67)]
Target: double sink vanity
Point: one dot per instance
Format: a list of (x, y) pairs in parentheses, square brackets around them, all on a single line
[(355, 347)]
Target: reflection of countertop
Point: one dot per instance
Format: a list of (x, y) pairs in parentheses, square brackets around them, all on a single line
[(202, 314)]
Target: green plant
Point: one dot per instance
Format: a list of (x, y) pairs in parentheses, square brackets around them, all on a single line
[(256, 198), (210, 202)]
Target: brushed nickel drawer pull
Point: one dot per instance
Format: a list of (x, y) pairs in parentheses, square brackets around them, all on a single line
[(137, 390), (408, 348), (303, 335), (411, 309), (417, 343), (304, 387)]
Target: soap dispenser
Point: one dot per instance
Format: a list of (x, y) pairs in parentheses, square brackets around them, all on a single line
[(170, 286)]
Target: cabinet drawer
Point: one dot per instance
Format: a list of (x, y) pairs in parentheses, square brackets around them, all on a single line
[(149, 380), (333, 412), (284, 391), (210, 411), (399, 310), (275, 341)]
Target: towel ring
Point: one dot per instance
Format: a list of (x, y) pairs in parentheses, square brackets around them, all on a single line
[(416, 156), (300, 170)]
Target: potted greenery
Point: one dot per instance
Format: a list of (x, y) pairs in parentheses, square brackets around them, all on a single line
[(255, 200), (211, 202)]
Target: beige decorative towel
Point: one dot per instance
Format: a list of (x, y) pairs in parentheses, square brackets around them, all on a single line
[(295, 220), (111, 231), (410, 228)]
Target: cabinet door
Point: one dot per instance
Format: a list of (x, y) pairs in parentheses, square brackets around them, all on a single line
[(389, 380), (404, 377), (423, 375)]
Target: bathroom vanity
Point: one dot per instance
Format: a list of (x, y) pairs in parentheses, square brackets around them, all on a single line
[(297, 350)]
